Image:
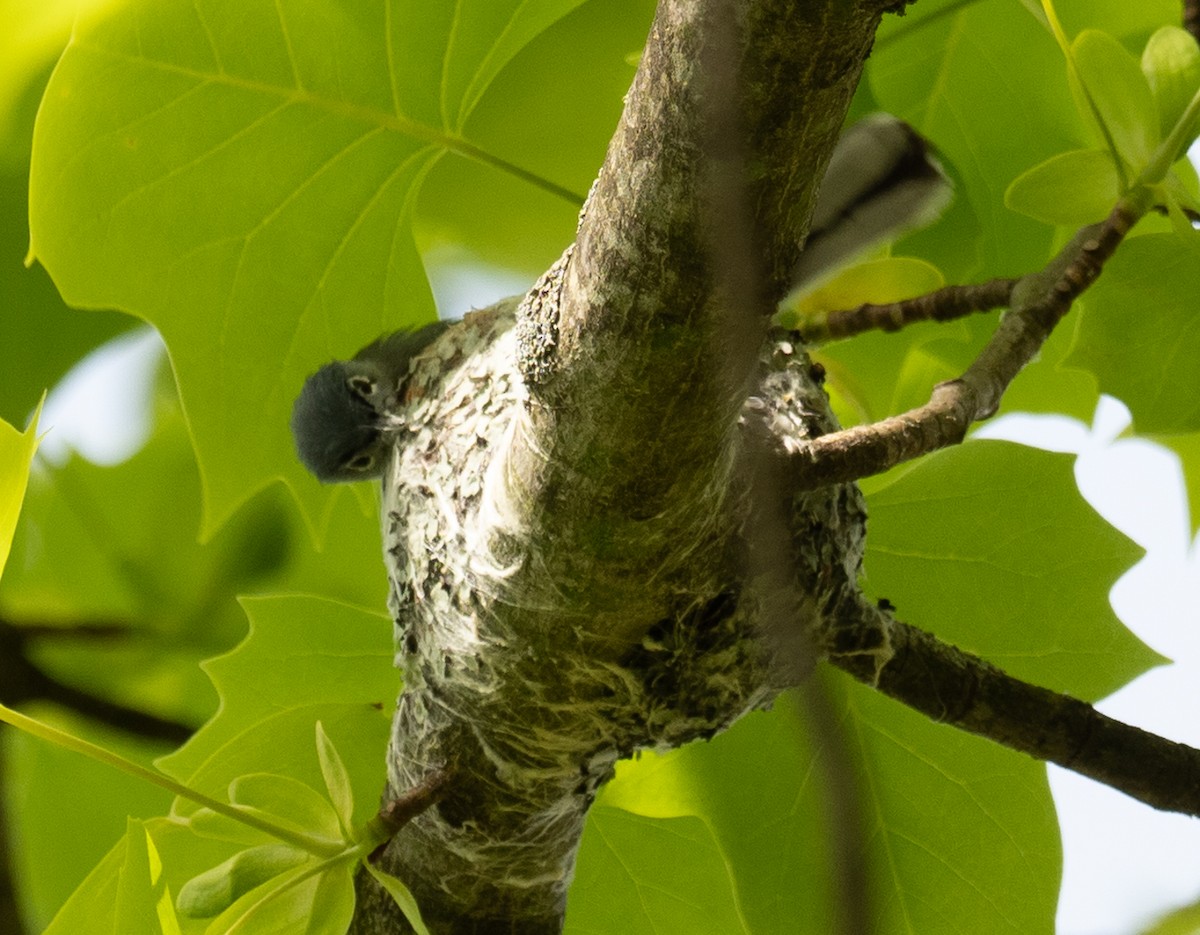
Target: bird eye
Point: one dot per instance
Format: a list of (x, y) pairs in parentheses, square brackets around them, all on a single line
[(361, 463), (360, 385)]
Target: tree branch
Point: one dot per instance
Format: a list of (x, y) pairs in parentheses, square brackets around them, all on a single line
[(23, 681), (945, 304), (565, 540), (956, 688), (1039, 301)]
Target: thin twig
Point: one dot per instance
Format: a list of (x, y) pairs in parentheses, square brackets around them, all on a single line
[(956, 688), (945, 304), (399, 811), (1039, 301)]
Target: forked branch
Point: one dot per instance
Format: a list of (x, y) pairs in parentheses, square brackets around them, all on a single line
[(1039, 301)]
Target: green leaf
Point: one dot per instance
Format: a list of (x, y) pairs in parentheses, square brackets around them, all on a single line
[(144, 905), (254, 200), (1129, 21), (1073, 188), (573, 77), (1188, 449), (651, 875), (92, 547), (309, 900), (1181, 184), (212, 892), (206, 823), (93, 906), (991, 547), (1139, 333), (402, 896), (337, 781), (1047, 385), (16, 455), (32, 39), (288, 802), (63, 835), (341, 655), (1120, 94), (879, 374), (945, 64), (889, 279), (970, 836), (1171, 63), (40, 338), (1183, 921), (924, 790)]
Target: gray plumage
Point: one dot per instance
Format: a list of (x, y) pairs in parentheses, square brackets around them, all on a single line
[(343, 420), (882, 181)]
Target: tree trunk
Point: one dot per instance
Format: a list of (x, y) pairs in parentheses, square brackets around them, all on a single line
[(589, 548)]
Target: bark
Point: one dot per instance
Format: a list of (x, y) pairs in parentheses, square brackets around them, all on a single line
[(574, 519)]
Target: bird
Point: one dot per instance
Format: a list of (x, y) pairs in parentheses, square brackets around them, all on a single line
[(882, 180), (342, 421)]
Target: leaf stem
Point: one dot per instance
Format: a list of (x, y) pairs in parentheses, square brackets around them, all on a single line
[(1171, 149), (319, 847)]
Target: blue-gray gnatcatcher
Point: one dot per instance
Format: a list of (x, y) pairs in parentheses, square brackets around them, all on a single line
[(880, 182), (342, 419)]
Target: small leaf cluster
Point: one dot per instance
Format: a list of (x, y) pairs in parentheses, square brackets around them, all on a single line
[(1143, 114)]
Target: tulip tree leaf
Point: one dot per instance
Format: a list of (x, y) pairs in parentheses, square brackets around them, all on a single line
[(1076, 187), (289, 168), (991, 547), (342, 656), (922, 790), (1140, 335)]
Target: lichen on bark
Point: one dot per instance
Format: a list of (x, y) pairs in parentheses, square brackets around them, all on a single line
[(570, 518)]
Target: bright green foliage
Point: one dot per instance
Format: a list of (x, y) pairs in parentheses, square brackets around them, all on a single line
[(1138, 331), (292, 164), (211, 892), (144, 905), (16, 453), (1171, 63), (887, 279), (400, 893), (1187, 447), (1184, 921), (305, 660), (1143, 116), (650, 875), (963, 835), (1017, 568), (305, 884), (274, 184), (1076, 187), (1119, 97), (338, 783)]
